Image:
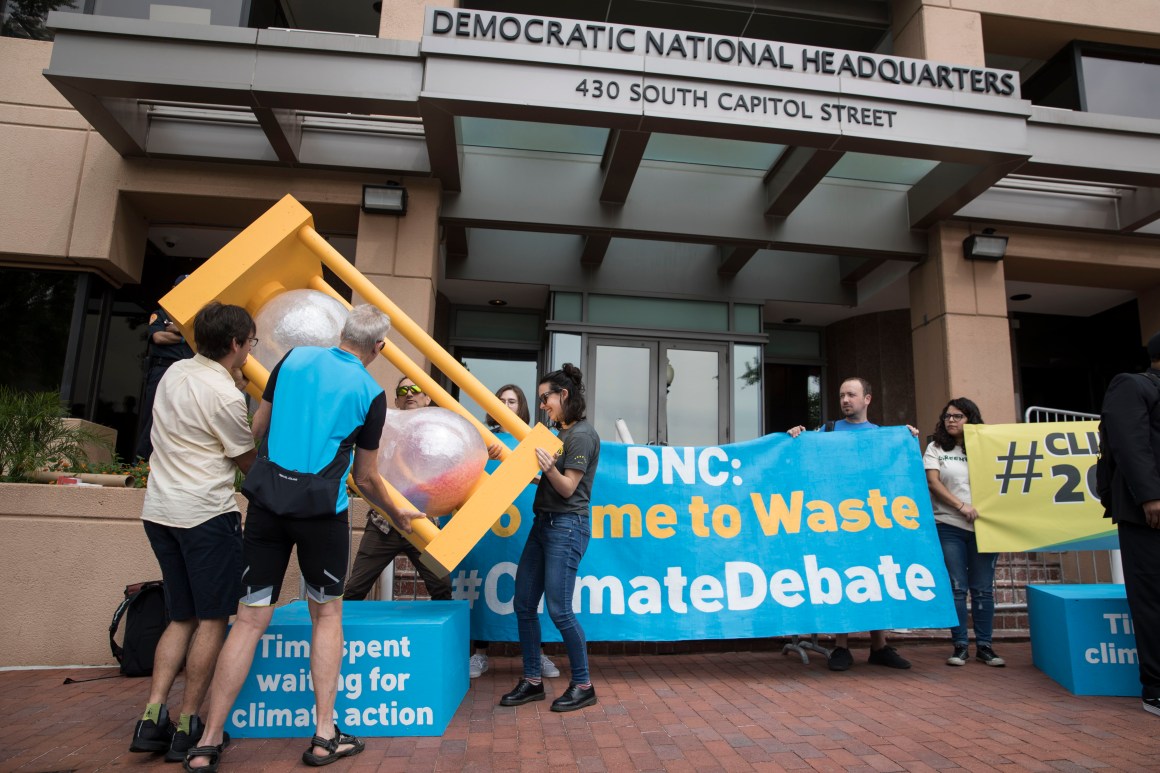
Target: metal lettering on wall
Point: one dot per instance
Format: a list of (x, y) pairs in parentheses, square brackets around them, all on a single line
[(746, 102), (594, 37)]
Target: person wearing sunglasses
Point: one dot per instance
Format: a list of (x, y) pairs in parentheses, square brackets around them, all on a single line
[(381, 543), (409, 395), (557, 542), (945, 461)]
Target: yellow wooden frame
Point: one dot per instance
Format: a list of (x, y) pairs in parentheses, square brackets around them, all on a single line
[(281, 251)]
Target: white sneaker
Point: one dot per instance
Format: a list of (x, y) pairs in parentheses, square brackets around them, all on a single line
[(547, 667), (476, 665)]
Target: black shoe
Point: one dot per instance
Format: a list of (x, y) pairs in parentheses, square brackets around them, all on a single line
[(183, 742), (960, 657), (889, 657), (575, 697), (1152, 705), (840, 659), (985, 654), (150, 736), (525, 692)]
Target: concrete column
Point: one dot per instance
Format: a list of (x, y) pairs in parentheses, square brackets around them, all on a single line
[(960, 332), (400, 256), (926, 31), (403, 19)]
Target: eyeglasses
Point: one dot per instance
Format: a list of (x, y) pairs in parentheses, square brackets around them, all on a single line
[(409, 389), (955, 417), (544, 397), (253, 341)]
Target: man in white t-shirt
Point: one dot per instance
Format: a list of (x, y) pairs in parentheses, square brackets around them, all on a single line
[(200, 437)]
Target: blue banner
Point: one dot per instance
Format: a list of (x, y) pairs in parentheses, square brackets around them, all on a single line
[(828, 532)]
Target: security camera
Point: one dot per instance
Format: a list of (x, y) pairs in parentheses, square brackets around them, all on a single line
[(170, 242)]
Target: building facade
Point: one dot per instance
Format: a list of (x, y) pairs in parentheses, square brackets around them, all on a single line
[(718, 209)]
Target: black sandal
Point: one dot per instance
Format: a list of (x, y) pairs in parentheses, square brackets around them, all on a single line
[(331, 745), (213, 752)]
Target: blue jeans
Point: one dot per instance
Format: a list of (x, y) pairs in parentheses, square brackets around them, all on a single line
[(548, 570), (974, 571)]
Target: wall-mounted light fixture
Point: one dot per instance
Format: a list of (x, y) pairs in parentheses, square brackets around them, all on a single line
[(388, 199), (985, 246)]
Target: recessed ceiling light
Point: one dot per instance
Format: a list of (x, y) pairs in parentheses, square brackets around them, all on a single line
[(791, 321), (497, 302), (1021, 297)]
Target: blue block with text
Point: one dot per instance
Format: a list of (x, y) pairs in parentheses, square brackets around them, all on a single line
[(404, 672), (1082, 637)]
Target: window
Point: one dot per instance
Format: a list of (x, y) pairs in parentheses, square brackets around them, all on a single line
[(26, 18), (1099, 78)]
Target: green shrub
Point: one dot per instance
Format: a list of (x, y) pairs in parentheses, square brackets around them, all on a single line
[(34, 435)]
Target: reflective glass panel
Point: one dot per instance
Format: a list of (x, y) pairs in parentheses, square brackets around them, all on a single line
[(565, 348), (693, 398), (666, 313), (1121, 88), (35, 311), (794, 345), (881, 169), (567, 307), (495, 373), (229, 13), (746, 318), (497, 326), (26, 18), (712, 151), (527, 135), (621, 391), (746, 392)]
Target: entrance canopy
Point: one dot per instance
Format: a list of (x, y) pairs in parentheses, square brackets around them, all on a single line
[(602, 156)]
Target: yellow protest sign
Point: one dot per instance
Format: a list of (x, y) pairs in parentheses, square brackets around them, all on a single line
[(1034, 487)]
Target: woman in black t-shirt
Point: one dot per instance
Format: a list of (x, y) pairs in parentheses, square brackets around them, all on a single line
[(557, 542)]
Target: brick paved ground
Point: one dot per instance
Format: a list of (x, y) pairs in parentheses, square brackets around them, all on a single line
[(692, 712)]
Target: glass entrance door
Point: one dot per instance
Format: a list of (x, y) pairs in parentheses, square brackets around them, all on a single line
[(692, 411), (666, 392), (623, 387)]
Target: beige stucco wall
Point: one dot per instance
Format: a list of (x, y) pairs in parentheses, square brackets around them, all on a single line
[(959, 331), (42, 148), (403, 19), (1035, 29), (1085, 259), (400, 256), (68, 555), (942, 33)]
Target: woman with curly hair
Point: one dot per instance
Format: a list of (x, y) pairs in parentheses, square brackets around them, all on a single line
[(945, 461), (557, 542)]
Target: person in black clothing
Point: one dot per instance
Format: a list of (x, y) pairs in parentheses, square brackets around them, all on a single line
[(1131, 431), (166, 346)]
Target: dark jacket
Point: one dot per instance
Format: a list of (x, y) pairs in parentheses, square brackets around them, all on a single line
[(1131, 420)]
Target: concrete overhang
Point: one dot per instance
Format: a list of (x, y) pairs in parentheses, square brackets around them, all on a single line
[(308, 99)]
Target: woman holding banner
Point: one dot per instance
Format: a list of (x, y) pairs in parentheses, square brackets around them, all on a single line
[(513, 397), (557, 542), (945, 461)]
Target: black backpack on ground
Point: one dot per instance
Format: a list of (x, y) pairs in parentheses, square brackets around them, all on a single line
[(146, 617)]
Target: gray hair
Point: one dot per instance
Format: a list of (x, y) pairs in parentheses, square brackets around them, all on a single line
[(365, 327)]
